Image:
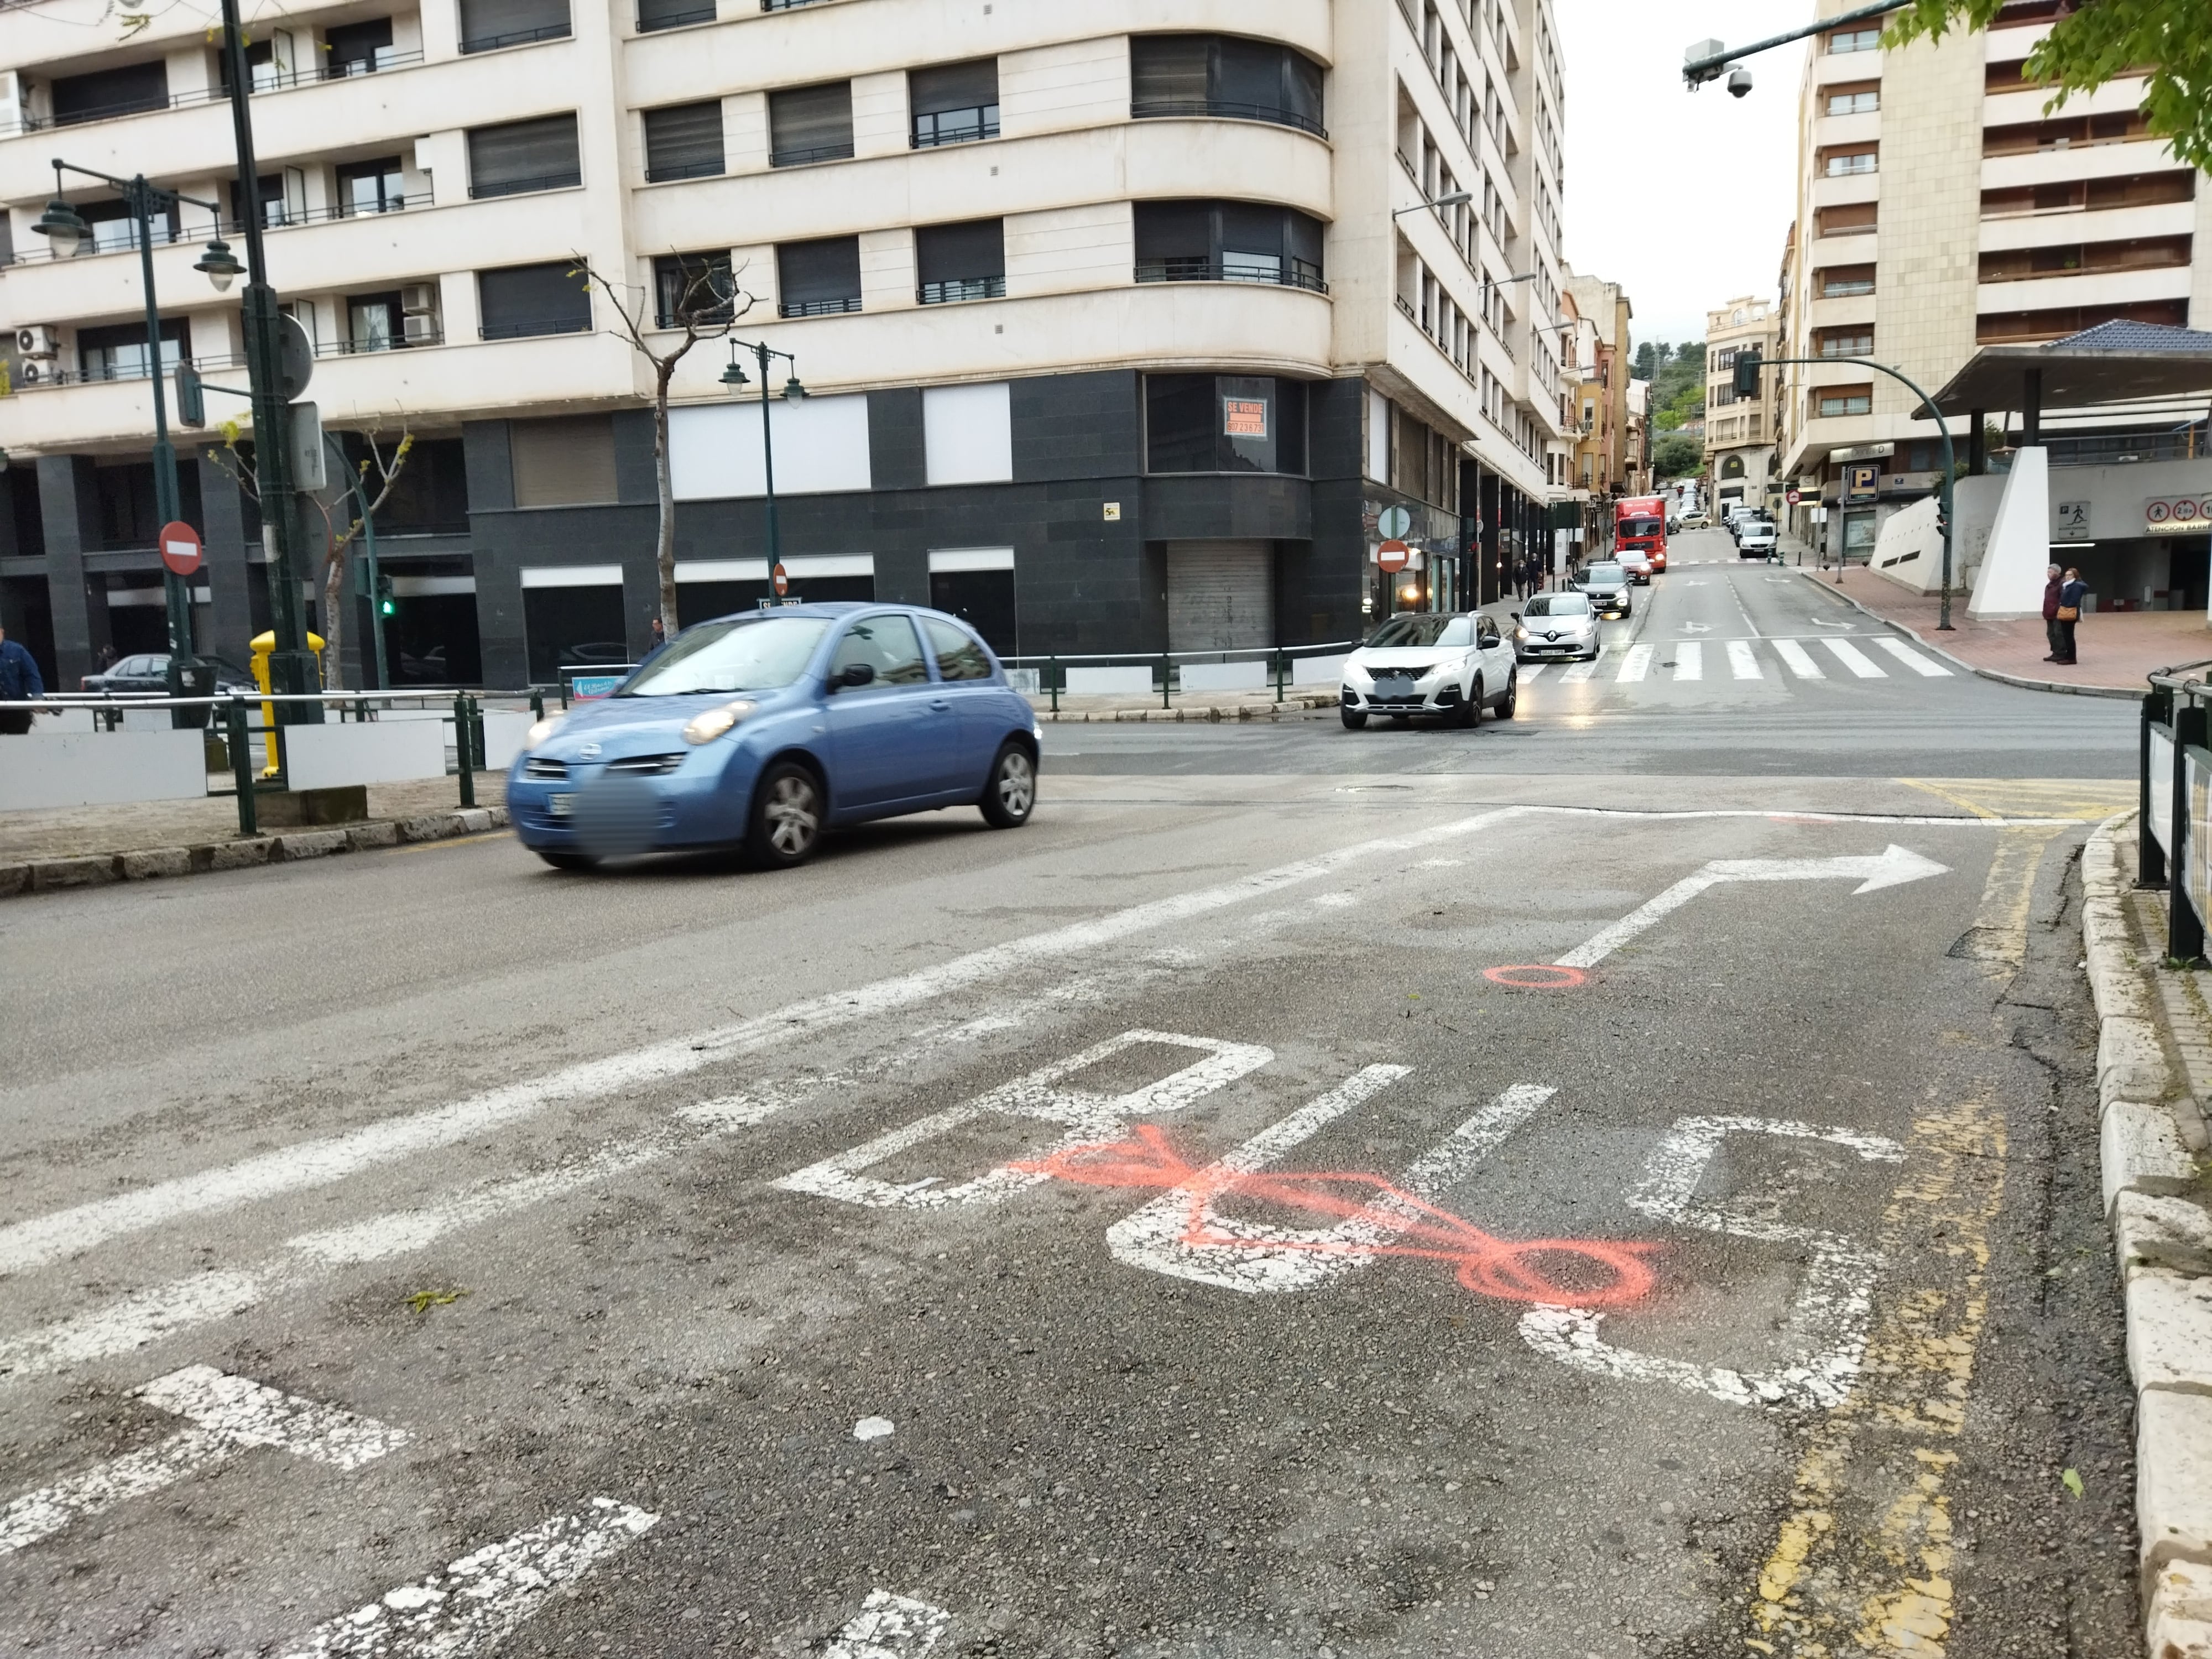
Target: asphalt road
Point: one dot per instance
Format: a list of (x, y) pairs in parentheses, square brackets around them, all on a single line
[(1310, 1194)]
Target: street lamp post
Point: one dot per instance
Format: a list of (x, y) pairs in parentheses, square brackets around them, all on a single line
[(1747, 368), (736, 378), (65, 230)]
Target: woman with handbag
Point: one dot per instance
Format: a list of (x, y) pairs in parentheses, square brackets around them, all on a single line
[(2071, 593)]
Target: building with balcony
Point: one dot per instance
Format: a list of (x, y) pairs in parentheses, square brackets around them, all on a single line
[(1739, 433), (1604, 462), (1124, 325), (1940, 209)]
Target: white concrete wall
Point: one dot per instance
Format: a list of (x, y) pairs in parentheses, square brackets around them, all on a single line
[(377, 751), (100, 768)]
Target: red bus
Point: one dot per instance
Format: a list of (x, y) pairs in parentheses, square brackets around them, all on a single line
[(1640, 521)]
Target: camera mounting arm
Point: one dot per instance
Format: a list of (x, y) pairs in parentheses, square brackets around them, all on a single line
[(1709, 60)]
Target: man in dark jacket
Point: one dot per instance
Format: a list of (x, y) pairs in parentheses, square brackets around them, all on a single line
[(18, 682), (2052, 583), (2071, 593)]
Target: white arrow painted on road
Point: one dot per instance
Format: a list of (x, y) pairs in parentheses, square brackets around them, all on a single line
[(889, 1627), (1697, 627), (1892, 868), (230, 1415), (484, 1596)]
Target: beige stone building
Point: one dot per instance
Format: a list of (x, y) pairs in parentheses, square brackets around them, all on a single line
[(1942, 208), (1600, 398), (1739, 431)]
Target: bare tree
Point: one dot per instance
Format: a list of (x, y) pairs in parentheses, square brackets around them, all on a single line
[(377, 472), (704, 304)]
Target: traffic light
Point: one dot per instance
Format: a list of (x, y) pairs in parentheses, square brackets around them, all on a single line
[(192, 402), (387, 602), (1747, 365)]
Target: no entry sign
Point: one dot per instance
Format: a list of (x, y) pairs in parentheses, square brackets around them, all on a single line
[(180, 547), (1391, 557), (780, 579)]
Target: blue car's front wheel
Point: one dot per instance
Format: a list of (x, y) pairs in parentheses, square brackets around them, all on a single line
[(787, 813), (1011, 796)]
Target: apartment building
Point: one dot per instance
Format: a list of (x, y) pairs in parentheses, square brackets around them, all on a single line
[(1125, 326), (1739, 431), (1941, 210), (1604, 462)]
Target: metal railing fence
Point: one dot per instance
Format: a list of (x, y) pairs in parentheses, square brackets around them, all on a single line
[(2174, 803)]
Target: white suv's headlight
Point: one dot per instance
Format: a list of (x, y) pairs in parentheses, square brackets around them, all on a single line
[(542, 730), (1357, 675), (708, 726)]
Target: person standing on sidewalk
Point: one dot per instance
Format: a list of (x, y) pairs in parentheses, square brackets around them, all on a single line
[(2053, 581), (19, 683), (2071, 593)]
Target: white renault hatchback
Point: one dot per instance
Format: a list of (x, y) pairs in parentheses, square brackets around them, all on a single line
[(1430, 662)]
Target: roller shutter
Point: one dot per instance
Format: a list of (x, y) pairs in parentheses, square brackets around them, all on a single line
[(1221, 596)]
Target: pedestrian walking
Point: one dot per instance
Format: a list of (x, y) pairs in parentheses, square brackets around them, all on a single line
[(660, 636), (2054, 578), (2071, 593), (19, 683)]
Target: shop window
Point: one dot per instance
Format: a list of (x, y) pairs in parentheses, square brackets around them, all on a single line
[(1224, 423)]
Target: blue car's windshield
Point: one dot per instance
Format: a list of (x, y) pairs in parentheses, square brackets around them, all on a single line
[(739, 655)]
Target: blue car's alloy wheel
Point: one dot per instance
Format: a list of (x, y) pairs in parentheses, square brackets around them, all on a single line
[(1011, 796), (787, 817)]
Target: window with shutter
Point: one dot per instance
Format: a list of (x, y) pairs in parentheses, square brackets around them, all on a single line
[(1223, 76), (695, 288), (818, 279), (110, 92), (954, 103), (562, 462), (810, 124), (489, 24), (522, 155), (961, 262), (522, 300), (684, 141), (1228, 242), (672, 14)]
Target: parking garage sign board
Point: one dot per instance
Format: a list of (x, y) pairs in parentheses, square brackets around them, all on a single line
[(180, 547)]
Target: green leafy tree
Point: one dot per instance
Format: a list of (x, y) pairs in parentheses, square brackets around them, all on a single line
[(1677, 455), (2096, 41)]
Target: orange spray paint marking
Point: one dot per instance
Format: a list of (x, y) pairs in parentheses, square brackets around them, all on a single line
[(1407, 1225), (1536, 976)]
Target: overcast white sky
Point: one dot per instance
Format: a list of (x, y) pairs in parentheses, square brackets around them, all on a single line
[(1684, 198)]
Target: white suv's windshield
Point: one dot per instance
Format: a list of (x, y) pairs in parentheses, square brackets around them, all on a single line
[(1428, 628), (742, 655)]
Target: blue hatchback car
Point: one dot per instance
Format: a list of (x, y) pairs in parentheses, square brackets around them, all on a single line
[(761, 731)]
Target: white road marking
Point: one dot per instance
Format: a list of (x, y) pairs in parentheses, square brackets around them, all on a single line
[(889, 1627), (1697, 627), (1090, 1117), (1742, 661), (483, 1596), (1855, 659), (230, 1415), (1799, 660), (1635, 665), (1530, 671), (34, 1242), (1576, 673), (1912, 660), (1892, 868), (1689, 660), (1828, 1322)]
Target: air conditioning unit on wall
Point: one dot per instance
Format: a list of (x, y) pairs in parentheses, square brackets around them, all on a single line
[(419, 298), (40, 340), (419, 328)]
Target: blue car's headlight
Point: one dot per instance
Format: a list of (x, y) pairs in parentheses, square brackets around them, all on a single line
[(707, 726)]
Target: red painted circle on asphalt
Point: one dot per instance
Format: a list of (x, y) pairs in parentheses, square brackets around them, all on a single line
[(1562, 979)]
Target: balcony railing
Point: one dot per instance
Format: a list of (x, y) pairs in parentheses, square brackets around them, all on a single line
[(523, 186), (954, 289), (527, 327), (699, 169), (956, 127), (1296, 273), (517, 37), (786, 5), (1224, 109), (264, 81), (676, 20), (350, 348), (807, 154), (836, 307)]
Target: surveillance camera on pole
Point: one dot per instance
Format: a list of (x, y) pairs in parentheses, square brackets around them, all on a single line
[(1739, 81), (1699, 56)]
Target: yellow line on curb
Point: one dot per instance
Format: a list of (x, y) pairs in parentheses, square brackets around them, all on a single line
[(455, 841)]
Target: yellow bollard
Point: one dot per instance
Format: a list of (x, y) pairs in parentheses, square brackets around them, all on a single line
[(262, 645)]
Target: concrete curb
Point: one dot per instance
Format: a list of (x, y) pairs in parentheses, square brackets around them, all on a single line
[(1302, 703), (100, 869), (2153, 1136), (1922, 640)]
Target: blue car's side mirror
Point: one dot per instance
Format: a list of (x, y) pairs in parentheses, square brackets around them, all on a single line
[(856, 674)]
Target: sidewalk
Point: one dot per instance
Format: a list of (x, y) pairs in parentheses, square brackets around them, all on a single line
[(2153, 1069), (2118, 648), (89, 846), (1201, 706)]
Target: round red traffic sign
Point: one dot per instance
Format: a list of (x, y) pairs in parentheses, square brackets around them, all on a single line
[(1794, 498), (180, 547), (1391, 557), (780, 579)]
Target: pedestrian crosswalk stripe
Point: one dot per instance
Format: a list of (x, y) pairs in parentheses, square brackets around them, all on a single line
[(1912, 660), (1529, 671), (1741, 662), (1636, 666), (1689, 660), (1579, 673), (1855, 659), (1799, 659)]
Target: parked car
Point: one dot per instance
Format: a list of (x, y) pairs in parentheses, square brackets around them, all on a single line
[(1756, 539), (763, 730), (149, 672), (1696, 519), (1638, 563), (1607, 586), (1452, 663), (1555, 625)]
